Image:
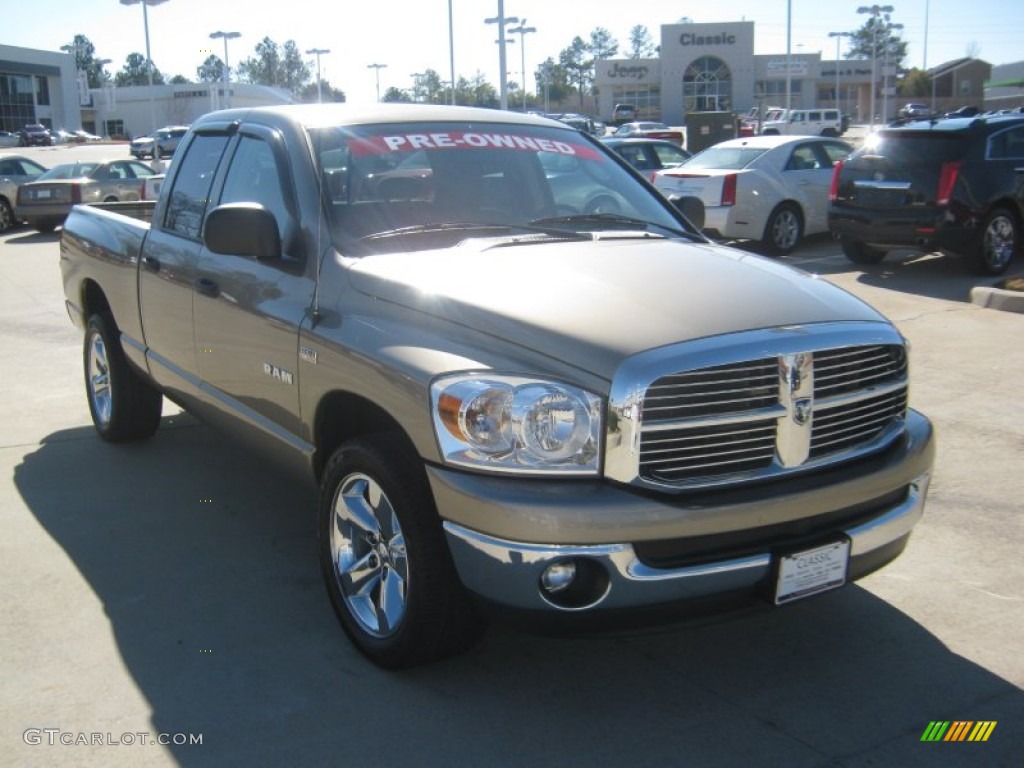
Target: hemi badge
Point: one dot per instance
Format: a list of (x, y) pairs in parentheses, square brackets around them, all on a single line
[(308, 354)]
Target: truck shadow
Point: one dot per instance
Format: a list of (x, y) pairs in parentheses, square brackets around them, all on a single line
[(31, 237), (205, 562)]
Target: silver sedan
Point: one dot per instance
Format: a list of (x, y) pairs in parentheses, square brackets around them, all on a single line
[(46, 202), (15, 170)]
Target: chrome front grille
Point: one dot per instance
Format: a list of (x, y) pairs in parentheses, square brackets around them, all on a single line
[(722, 389), (809, 403)]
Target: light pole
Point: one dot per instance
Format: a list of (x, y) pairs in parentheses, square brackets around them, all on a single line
[(876, 11), (226, 74), (318, 52), (149, 60), (501, 20), (789, 55), (377, 67), (451, 48), (522, 30), (837, 36), (885, 71)]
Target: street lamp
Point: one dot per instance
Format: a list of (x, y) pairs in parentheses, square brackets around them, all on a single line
[(838, 35), (149, 61), (522, 30), (226, 74), (318, 52), (876, 11), (451, 48), (377, 67), (501, 20)]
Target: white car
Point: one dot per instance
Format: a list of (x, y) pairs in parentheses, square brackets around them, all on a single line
[(768, 188)]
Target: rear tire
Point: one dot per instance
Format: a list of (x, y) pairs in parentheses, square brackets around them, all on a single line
[(998, 242), (385, 562), (859, 253), (124, 407), (783, 230), (6, 215)]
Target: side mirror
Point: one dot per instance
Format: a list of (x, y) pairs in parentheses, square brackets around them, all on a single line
[(692, 208), (243, 229)]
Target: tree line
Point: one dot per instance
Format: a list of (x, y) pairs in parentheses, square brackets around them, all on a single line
[(560, 80)]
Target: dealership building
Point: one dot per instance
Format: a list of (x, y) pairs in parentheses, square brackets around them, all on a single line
[(44, 87), (713, 68)]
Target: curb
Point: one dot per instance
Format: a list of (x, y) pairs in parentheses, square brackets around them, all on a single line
[(994, 297)]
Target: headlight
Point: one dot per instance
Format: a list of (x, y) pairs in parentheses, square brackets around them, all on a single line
[(515, 424)]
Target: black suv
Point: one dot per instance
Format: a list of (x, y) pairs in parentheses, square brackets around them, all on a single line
[(953, 185), (35, 135)]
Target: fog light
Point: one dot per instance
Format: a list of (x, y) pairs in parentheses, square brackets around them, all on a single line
[(558, 577)]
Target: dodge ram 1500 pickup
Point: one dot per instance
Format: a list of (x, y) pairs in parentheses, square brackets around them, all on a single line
[(521, 377)]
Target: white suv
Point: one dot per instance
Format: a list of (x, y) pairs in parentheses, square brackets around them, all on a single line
[(804, 122)]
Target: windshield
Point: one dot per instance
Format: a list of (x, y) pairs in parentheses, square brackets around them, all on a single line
[(725, 158), (68, 171), (416, 186)]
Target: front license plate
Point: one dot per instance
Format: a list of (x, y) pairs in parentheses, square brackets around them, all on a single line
[(806, 573)]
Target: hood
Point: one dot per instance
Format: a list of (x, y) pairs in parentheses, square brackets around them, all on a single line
[(592, 303)]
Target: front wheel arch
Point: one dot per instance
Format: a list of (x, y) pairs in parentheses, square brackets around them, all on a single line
[(384, 557)]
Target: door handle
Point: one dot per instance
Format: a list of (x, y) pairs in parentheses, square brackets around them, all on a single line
[(151, 263), (207, 287)]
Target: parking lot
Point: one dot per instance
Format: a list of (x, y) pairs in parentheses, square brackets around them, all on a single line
[(169, 590)]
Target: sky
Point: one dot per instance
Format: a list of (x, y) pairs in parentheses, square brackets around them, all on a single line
[(409, 36)]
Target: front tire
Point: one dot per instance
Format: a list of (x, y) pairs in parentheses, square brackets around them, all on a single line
[(783, 230), (998, 241), (123, 406), (859, 253), (385, 562)]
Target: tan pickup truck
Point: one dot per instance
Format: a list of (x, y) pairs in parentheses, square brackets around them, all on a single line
[(521, 377)]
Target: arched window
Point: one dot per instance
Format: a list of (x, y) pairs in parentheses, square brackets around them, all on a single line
[(707, 86)]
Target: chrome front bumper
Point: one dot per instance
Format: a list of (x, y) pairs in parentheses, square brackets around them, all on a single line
[(509, 573)]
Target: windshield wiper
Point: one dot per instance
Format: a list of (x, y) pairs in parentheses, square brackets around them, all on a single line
[(473, 227), (612, 219)]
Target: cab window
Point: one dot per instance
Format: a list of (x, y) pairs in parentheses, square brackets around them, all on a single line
[(190, 196)]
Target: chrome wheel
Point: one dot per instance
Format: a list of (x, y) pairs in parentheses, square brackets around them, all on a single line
[(368, 555), (785, 230), (99, 380), (998, 242)]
